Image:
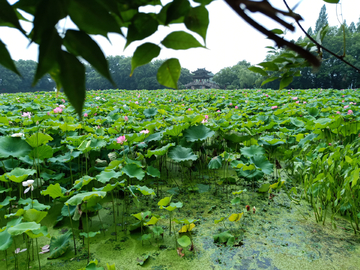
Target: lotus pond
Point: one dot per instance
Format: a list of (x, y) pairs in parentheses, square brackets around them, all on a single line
[(200, 179)]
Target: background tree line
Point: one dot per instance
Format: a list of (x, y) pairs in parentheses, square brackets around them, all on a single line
[(144, 77)]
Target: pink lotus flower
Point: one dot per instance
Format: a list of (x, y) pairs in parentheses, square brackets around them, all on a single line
[(86, 115), (236, 107), (347, 106), (95, 114), (170, 100), (17, 251), (149, 101), (121, 139), (338, 112), (48, 113), (349, 112), (45, 249), (189, 109), (26, 114), (206, 116), (145, 131), (63, 100), (294, 98), (267, 95), (204, 121), (62, 106), (343, 95), (274, 107), (230, 104), (136, 102), (58, 110), (297, 101), (218, 111), (343, 101), (126, 118), (304, 102)]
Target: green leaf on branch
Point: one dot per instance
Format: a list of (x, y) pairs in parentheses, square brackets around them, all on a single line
[(5, 59), (258, 70), (142, 25), (197, 20), (180, 40), (143, 55), (176, 10), (169, 73), (81, 44), (285, 81), (72, 78)]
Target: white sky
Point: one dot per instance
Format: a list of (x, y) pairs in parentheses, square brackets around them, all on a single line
[(229, 38)]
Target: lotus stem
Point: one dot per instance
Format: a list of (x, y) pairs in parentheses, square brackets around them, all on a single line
[(88, 236), (37, 248), (114, 213), (72, 228)]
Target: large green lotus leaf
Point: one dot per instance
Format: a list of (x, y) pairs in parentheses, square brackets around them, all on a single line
[(79, 198), (154, 137), (5, 190), (41, 152), (133, 171), (34, 215), (179, 154), (90, 234), (313, 111), (153, 171), (164, 202), (252, 150), (270, 141), (175, 130), (224, 237), (174, 206), (157, 230), (65, 158), (250, 174), (236, 137), (193, 118), (110, 187), (58, 246), (105, 177), (5, 238), (145, 190), (54, 191), (7, 201), (260, 161), (150, 112), (322, 122), (184, 241), (65, 210), (136, 162), (43, 231), (198, 133), (23, 227), (38, 139), (33, 204), (19, 175), (83, 181), (11, 164), (308, 138), (159, 151), (297, 122), (13, 147), (215, 163)]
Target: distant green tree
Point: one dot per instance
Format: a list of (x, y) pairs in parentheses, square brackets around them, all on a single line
[(322, 20), (237, 76)]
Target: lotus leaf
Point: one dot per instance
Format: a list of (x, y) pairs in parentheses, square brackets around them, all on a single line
[(262, 163), (133, 171), (252, 150), (184, 241), (224, 237), (59, 245), (105, 177), (198, 133), (13, 147), (23, 228), (19, 175), (180, 154), (79, 198), (38, 139)]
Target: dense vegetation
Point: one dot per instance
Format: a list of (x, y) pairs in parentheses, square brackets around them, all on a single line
[(138, 156)]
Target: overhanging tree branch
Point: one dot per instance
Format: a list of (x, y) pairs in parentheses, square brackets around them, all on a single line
[(265, 8), (340, 57)]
